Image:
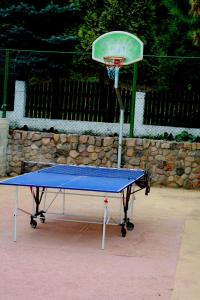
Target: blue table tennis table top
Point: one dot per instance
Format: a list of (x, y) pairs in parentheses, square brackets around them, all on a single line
[(71, 177)]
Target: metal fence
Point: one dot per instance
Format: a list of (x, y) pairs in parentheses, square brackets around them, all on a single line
[(70, 86), (177, 108), (95, 102), (76, 100)]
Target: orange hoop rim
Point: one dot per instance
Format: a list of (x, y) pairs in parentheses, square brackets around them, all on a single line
[(114, 61)]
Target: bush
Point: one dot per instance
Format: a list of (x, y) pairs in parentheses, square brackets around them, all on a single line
[(184, 136)]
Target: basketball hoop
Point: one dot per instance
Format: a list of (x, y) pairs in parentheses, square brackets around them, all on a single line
[(116, 49), (113, 64)]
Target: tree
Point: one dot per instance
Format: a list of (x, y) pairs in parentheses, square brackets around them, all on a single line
[(38, 25), (184, 18), (136, 17), (187, 16)]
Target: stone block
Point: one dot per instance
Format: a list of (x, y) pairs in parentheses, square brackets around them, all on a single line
[(138, 142), (93, 156), (63, 138), (130, 152), (162, 179), (47, 135), (108, 141), (34, 147), (165, 145), (86, 160), (134, 161), (46, 141), (188, 170), (73, 153), (99, 141), (170, 178), (56, 138), (196, 170), (194, 146), (130, 142), (81, 148), (90, 148), (146, 143), (196, 183), (160, 157), (61, 160), (187, 145), (179, 181), (72, 139), (83, 139), (190, 158), (91, 140), (36, 137)]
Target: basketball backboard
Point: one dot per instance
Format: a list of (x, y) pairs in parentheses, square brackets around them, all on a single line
[(118, 44)]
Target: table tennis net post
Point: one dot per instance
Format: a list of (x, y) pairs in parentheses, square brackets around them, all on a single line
[(31, 166)]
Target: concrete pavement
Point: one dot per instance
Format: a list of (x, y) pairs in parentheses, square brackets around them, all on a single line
[(159, 259)]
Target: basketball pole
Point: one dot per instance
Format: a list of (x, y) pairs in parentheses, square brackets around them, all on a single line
[(132, 113), (121, 123)]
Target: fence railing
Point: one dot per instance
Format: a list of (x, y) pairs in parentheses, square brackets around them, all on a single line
[(177, 108), (95, 102), (75, 100), (91, 101)]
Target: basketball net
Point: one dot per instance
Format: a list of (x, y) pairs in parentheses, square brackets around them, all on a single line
[(113, 64)]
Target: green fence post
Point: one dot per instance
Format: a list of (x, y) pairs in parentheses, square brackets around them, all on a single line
[(5, 84), (132, 112)]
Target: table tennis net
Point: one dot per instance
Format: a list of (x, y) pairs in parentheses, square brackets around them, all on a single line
[(93, 171)]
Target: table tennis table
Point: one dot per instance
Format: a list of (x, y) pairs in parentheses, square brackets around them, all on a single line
[(107, 181)]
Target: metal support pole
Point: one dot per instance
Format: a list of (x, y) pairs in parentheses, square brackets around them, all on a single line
[(121, 123), (119, 159), (5, 84), (105, 220), (63, 202), (132, 114), (116, 77), (15, 215)]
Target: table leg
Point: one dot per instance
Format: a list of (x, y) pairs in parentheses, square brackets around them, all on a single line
[(105, 217), (15, 215)]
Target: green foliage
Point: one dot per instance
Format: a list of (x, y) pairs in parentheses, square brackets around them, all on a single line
[(173, 30), (137, 17), (23, 26), (166, 27), (184, 136), (45, 26), (186, 15), (166, 136), (158, 25), (133, 16), (90, 132)]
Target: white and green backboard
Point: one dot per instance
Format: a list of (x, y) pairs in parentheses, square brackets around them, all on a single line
[(118, 44)]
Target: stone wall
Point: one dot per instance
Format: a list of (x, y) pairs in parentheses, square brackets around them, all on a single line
[(171, 164), (3, 144)]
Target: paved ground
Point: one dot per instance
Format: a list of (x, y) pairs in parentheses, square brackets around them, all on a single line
[(160, 259)]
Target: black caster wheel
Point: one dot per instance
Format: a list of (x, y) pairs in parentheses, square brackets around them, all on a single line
[(33, 223), (123, 232), (42, 218), (129, 226)]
